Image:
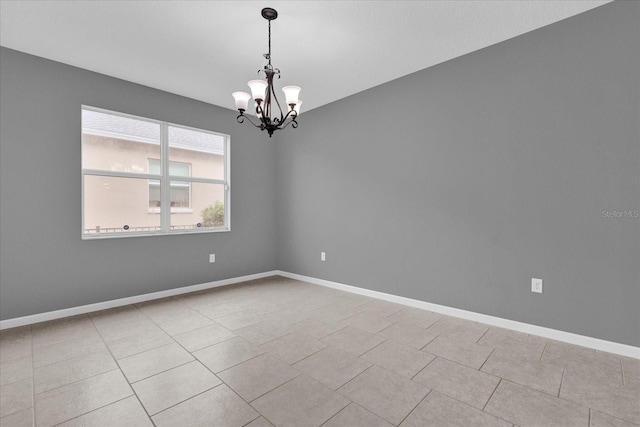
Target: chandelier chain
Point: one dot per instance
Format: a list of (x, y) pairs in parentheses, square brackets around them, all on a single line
[(269, 57)]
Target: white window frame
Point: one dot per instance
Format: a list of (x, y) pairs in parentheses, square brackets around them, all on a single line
[(165, 182)]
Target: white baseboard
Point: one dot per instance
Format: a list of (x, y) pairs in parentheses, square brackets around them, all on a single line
[(568, 337), (83, 309)]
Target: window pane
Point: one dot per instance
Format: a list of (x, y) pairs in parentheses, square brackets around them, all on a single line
[(180, 191), (206, 208), (154, 166), (179, 169), (203, 151), (115, 143), (180, 195), (175, 168), (118, 205), (154, 193)]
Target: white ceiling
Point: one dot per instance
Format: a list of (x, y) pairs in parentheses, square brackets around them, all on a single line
[(208, 49)]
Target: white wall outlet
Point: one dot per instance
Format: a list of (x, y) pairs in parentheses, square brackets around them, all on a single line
[(323, 256), (536, 285), (212, 257)]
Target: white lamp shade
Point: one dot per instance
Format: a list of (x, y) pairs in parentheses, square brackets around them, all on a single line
[(291, 94), (258, 89), (242, 99), (297, 106)]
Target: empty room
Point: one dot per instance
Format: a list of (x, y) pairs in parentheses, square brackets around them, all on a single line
[(446, 232)]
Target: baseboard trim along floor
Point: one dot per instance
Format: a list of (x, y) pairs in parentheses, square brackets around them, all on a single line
[(554, 334), (568, 337), (90, 308)]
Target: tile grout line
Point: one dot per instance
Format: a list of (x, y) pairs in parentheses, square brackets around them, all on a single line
[(335, 332), (337, 390), (556, 397), (121, 371), (543, 350), (85, 354), (353, 315), (182, 401), (277, 338), (430, 341), (259, 415), (94, 410), (487, 359), (336, 414), (374, 347), (231, 367), (204, 365), (458, 363), (622, 372), (183, 347), (490, 397), (91, 376), (161, 372), (518, 383), (140, 352), (481, 336), (384, 329), (564, 371), (269, 391), (195, 359), (415, 407), (342, 409), (425, 367), (306, 357), (291, 364), (77, 381)]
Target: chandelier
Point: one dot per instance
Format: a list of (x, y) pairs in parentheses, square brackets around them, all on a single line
[(263, 93)]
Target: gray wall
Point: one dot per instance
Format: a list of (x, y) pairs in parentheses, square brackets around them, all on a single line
[(44, 264), (457, 184)]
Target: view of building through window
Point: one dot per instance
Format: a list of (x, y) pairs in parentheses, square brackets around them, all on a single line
[(129, 188), (180, 191)]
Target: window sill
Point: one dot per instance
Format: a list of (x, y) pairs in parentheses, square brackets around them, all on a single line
[(119, 235)]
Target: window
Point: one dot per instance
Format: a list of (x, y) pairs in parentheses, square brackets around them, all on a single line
[(145, 177), (180, 191)]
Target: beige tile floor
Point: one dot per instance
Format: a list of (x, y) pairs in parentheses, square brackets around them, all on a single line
[(282, 352)]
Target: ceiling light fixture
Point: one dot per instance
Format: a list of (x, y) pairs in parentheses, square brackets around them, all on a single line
[(263, 93)]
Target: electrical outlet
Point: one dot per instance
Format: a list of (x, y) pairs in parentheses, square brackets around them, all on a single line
[(212, 257), (323, 256), (536, 285)]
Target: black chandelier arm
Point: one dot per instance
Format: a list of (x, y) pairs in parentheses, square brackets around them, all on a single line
[(260, 112), (271, 127), (290, 114), (282, 116), (292, 122), (241, 117)]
